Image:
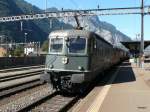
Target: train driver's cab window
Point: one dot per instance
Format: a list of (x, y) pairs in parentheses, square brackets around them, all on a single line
[(56, 45), (77, 45)]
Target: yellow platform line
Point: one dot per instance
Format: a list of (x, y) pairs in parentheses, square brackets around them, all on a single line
[(97, 103)]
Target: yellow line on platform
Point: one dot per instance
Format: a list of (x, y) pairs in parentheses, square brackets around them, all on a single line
[(97, 103)]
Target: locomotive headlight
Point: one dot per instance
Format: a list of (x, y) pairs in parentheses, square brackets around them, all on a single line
[(80, 68), (65, 60), (66, 39), (51, 66)]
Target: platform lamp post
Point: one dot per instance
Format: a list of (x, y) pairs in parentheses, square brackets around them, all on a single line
[(25, 42), (45, 6), (50, 19), (142, 36), (39, 48)]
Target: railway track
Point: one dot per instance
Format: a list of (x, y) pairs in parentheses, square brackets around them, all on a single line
[(57, 103), (17, 82), (20, 68), (34, 97), (43, 99), (14, 90), (13, 82), (13, 76), (11, 79), (19, 101), (23, 91)]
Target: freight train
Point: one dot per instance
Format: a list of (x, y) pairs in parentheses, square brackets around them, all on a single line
[(76, 57)]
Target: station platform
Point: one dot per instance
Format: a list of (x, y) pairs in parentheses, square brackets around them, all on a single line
[(127, 90)]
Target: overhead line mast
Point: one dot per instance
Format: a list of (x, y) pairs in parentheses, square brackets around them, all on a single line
[(142, 35)]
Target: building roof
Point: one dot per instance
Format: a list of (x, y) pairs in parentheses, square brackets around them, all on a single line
[(134, 46)]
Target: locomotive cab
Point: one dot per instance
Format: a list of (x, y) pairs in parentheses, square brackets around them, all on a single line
[(76, 57), (67, 61), (67, 54)]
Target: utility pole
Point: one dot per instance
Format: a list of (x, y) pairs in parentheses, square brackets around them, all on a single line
[(50, 19), (25, 43), (142, 35), (21, 26), (39, 49), (45, 6), (1, 39)]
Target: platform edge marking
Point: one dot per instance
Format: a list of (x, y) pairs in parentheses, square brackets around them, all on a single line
[(97, 103)]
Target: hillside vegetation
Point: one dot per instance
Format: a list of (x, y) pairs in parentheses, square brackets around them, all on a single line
[(38, 30)]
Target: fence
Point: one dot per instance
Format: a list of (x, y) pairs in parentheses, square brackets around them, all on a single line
[(6, 62)]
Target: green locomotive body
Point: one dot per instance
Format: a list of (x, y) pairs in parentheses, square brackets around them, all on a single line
[(76, 57)]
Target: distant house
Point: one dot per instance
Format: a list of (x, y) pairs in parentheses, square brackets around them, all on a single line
[(29, 50), (2, 52)]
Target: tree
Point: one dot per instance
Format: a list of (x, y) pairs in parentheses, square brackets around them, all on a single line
[(19, 51), (45, 46)]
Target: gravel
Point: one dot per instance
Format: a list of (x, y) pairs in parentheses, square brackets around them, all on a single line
[(54, 104), (19, 101)]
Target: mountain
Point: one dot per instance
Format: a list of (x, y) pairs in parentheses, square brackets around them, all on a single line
[(12, 29), (38, 30), (104, 29)]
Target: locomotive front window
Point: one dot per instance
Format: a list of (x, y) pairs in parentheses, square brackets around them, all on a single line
[(77, 45), (56, 45)]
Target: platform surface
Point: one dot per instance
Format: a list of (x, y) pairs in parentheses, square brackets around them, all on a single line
[(128, 90)]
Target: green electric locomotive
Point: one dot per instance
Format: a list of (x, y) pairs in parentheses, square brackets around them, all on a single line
[(76, 57)]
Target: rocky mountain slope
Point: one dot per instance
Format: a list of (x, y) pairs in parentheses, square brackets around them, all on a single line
[(106, 30), (38, 30)]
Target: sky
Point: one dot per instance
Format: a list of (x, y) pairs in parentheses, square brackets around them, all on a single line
[(128, 24)]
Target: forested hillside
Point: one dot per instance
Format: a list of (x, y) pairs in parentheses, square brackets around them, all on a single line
[(37, 30)]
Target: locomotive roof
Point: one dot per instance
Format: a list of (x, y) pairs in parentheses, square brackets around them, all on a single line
[(70, 33), (73, 32)]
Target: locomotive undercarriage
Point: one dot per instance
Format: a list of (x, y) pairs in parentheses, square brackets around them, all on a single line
[(66, 81)]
